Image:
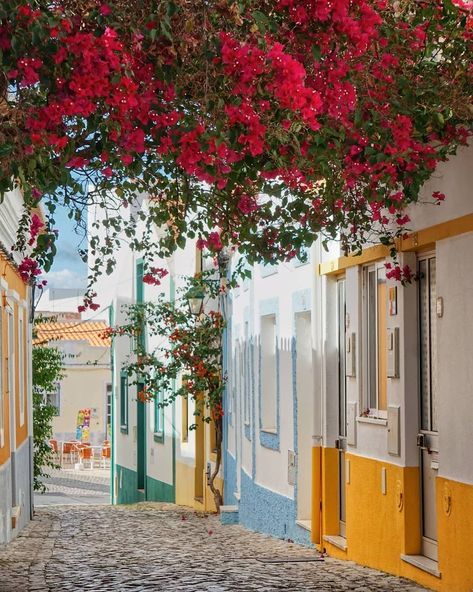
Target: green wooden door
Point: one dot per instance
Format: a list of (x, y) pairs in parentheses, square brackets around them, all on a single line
[(140, 406)]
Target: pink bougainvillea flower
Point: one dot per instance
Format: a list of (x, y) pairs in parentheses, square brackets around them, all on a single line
[(105, 10)]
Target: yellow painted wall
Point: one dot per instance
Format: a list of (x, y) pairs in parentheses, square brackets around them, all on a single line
[(185, 489), (330, 491), (11, 276), (5, 449), (455, 526), (21, 431), (82, 387), (380, 528), (185, 485)]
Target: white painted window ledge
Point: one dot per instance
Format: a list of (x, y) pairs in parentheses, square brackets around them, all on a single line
[(372, 420)]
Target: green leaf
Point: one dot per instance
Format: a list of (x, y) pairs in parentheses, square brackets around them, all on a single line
[(261, 20)]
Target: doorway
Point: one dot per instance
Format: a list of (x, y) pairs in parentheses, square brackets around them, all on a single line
[(141, 442), (428, 438), (342, 403), (305, 407)]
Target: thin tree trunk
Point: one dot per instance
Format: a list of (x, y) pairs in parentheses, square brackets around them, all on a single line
[(218, 439)]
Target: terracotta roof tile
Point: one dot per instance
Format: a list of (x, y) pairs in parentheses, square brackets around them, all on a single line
[(90, 331)]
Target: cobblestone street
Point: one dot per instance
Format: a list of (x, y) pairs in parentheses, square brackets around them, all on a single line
[(163, 547), (70, 487)]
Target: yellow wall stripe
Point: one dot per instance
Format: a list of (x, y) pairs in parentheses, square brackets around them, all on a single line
[(427, 237)]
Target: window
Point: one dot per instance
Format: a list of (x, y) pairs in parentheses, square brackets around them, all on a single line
[(158, 414), (21, 364), (11, 359), (108, 414), (123, 401), (374, 340), (268, 373), (268, 269), (213, 437), (185, 420), (304, 259), (428, 343), (244, 372), (2, 403), (53, 399)]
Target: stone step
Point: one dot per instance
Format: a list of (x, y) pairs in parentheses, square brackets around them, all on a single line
[(229, 515)]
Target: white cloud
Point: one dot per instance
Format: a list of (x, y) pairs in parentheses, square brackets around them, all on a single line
[(65, 278)]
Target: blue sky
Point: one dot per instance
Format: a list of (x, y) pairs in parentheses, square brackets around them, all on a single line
[(68, 270)]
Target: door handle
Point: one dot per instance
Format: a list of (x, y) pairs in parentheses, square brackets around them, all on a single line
[(422, 443)]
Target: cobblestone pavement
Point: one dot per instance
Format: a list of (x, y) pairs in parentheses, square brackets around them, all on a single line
[(70, 487), (162, 547)]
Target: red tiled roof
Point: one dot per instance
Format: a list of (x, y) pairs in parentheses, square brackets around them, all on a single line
[(90, 331)]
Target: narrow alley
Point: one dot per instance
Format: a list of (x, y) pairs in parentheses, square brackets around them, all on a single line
[(155, 546)]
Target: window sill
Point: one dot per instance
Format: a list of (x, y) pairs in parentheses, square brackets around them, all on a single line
[(269, 430), (424, 563), (373, 420), (158, 437), (337, 541), (124, 429), (305, 524)]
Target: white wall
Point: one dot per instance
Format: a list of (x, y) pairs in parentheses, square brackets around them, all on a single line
[(257, 298), (455, 357), (455, 350)]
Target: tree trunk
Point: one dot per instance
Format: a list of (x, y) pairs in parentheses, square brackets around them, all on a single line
[(218, 439)]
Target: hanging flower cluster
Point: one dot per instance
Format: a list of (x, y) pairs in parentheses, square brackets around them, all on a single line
[(189, 349), (259, 123)]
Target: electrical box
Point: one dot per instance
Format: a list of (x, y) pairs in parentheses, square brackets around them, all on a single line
[(393, 352), (351, 424), (351, 354), (291, 467), (394, 412)]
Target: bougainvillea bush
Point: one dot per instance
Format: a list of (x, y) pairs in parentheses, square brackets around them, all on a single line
[(254, 123), (176, 354)]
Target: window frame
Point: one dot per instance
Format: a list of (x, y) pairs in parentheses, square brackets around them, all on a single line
[(158, 418), (108, 409), (266, 358), (124, 401), (368, 372), (21, 363), (432, 337), (11, 361), (57, 394)]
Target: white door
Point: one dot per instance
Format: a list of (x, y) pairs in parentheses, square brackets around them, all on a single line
[(427, 439), (12, 400), (305, 413), (342, 403)]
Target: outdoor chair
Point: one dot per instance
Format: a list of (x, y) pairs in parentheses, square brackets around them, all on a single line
[(69, 452), (106, 453), (86, 455), (55, 449)]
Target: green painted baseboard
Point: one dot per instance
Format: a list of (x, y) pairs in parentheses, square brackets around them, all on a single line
[(127, 481), (157, 491), (128, 493)]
